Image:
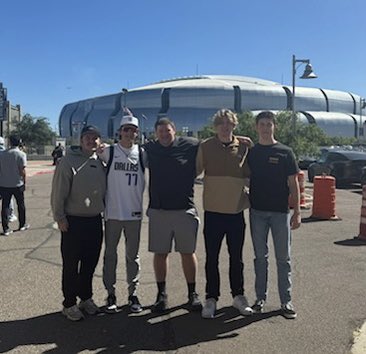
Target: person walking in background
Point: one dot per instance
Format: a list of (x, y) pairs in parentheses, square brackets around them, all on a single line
[(77, 201), (273, 176), (172, 213), (12, 183), (12, 216), (223, 160), (57, 153), (125, 187)]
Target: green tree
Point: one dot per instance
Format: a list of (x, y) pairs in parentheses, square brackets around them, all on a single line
[(306, 141), (34, 131)]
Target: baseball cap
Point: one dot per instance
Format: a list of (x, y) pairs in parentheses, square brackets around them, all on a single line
[(130, 120), (90, 129)]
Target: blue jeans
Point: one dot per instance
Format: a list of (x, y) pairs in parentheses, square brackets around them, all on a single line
[(279, 224)]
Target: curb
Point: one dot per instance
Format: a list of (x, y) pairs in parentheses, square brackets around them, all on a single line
[(359, 340)]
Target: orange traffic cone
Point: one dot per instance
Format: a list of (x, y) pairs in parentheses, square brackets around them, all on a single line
[(303, 204)]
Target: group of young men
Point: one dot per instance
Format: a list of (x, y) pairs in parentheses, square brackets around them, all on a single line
[(95, 171)]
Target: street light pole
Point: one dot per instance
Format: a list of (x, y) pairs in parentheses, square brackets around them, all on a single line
[(360, 128), (308, 74)]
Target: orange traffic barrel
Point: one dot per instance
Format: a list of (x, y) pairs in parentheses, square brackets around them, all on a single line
[(324, 198), (362, 234), (303, 204)]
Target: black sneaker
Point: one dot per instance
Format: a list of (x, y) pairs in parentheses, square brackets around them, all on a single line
[(111, 304), (161, 303), (194, 303), (258, 306), (288, 311), (134, 304)]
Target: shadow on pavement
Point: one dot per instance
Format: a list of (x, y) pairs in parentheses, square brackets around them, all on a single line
[(351, 242), (124, 332), (315, 219)]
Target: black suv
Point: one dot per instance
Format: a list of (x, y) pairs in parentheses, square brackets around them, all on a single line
[(345, 165)]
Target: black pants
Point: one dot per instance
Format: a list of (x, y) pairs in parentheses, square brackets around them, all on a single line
[(7, 193), (216, 226), (80, 249)]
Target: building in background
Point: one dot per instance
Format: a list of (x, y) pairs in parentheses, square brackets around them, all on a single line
[(191, 102), (9, 115)]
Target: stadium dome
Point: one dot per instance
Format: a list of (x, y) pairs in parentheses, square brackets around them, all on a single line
[(191, 101)]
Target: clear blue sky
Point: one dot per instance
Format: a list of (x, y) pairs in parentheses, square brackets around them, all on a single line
[(56, 52)]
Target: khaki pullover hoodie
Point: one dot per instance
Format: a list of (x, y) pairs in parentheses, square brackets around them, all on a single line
[(78, 186), (226, 174)]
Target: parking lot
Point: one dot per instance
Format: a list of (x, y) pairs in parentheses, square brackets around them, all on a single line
[(329, 293)]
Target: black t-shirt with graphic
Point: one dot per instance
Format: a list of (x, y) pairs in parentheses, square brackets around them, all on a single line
[(270, 166)]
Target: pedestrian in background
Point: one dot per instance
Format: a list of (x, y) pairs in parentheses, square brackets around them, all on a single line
[(222, 158), (123, 212), (13, 163), (57, 153), (77, 201), (273, 177), (12, 216)]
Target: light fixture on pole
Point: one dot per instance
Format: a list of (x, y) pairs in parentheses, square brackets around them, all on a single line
[(124, 91), (308, 74)]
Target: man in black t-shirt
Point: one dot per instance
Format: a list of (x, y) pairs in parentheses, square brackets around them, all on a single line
[(273, 177), (172, 213)]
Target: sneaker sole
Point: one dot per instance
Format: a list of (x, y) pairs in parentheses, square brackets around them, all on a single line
[(288, 316), (91, 313), (159, 308), (257, 311), (207, 317), (111, 310), (136, 310), (71, 318), (245, 312)]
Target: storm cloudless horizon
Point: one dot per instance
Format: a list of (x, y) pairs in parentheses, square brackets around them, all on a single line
[(57, 52)]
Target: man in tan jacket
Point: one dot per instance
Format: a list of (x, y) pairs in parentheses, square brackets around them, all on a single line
[(223, 161)]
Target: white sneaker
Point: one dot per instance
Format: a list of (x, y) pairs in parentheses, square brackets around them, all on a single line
[(89, 307), (241, 303), (13, 218), (24, 227), (72, 313), (209, 309)]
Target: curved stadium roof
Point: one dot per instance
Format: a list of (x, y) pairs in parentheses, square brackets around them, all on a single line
[(191, 102)]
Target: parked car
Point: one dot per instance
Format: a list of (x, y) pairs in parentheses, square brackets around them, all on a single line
[(345, 165), (363, 176), (305, 161)]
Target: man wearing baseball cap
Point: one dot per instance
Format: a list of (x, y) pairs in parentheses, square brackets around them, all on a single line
[(125, 187), (77, 201)]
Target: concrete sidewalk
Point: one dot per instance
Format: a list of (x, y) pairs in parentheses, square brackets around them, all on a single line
[(39, 167), (329, 292)]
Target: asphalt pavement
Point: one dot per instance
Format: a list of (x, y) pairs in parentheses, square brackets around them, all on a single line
[(329, 292)]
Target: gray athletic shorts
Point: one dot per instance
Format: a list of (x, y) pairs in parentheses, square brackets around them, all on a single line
[(168, 225)]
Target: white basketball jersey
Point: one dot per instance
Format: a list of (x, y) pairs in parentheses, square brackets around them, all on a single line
[(126, 183)]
